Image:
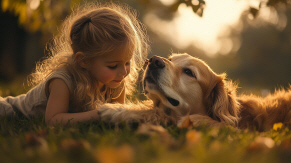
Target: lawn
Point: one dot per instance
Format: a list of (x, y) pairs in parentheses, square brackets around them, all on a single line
[(31, 140), (23, 140)]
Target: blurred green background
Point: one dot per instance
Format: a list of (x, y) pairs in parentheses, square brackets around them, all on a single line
[(249, 40)]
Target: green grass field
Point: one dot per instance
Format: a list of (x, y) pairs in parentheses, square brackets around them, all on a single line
[(23, 140)]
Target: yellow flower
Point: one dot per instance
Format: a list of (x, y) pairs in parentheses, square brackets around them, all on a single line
[(277, 126)]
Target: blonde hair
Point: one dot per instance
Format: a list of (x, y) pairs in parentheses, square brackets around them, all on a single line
[(95, 29)]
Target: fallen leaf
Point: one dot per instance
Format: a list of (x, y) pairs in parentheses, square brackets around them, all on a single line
[(193, 137), (32, 140), (261, 143), (151, 130), (42, 133), (286, 144), (71, 144), (122, 154)]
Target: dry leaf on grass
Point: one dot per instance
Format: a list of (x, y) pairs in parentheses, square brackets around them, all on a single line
[(261, 143), (71, 144), (122, 154), (193, 137), (151, 130), (32, 140), (161, 132)]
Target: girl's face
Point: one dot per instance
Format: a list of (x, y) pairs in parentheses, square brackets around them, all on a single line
[(110, 69)]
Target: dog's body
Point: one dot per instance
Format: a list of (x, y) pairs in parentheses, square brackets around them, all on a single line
[(184, 88)]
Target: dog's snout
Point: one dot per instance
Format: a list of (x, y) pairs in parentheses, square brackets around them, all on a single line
[(156, 62)]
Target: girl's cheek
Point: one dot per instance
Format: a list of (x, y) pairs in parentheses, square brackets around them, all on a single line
[(127, 70), (107, 75)]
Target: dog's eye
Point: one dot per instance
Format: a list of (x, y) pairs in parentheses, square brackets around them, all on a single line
[(189, 72)]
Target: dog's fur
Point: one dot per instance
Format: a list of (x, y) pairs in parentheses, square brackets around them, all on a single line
[(185, 88)]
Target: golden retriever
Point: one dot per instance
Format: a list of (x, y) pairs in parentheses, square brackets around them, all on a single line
[(183, 88)]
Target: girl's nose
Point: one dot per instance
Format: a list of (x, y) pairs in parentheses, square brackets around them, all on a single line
[(123, 71)]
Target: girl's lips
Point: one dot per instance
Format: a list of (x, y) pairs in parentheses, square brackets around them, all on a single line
[(118, 81)]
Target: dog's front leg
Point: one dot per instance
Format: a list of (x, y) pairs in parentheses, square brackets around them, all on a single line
[(116, 113), (142, 112)]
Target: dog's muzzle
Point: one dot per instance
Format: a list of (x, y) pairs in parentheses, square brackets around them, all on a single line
[(155, 65), (153, 70)]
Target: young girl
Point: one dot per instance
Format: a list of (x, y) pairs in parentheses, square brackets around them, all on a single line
[(94, 60)]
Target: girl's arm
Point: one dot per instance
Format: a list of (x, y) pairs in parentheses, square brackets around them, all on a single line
[(58, 106)]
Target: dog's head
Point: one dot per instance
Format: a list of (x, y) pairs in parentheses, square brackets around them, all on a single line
[(187, 85)]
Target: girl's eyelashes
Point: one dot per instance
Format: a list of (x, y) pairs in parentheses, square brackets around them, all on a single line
[(115, 66), (112, 67)]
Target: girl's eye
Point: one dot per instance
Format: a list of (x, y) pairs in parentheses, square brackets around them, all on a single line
[(170, 59), (112, 67), (127, 63), (189, 72)]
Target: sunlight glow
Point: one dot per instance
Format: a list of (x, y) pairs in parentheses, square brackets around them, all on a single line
[(33, 4), (271, 16), (167, 2), (188, 29)]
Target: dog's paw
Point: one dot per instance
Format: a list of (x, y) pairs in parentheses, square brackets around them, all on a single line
[(197, 120), (185, 122), (110, 112)]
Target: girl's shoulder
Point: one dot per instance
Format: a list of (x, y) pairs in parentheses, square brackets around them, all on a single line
[(62, 74)]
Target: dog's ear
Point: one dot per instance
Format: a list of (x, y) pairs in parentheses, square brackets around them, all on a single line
[(221, 101)]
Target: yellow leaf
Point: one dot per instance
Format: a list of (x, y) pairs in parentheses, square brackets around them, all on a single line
[(5, 4), (193, 136), (35, 25), (122, 154), (22, 13), (277, 126)]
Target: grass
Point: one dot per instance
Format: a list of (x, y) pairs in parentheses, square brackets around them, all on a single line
[(24, 140), (31, 140)]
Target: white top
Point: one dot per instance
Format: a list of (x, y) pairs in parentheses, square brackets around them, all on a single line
[(34, 102)]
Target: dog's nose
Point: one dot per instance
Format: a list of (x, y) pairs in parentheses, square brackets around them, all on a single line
[(156, 62)]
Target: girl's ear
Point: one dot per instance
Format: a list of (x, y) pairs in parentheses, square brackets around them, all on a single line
[(79, 57)]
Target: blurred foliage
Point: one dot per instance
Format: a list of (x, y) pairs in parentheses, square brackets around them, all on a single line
[(196, 5), (46, 15), (39, 15), (254, 10), (261, 62)]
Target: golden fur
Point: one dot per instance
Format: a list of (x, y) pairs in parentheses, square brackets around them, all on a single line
[(183, 88)]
